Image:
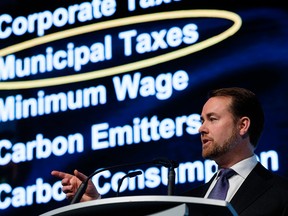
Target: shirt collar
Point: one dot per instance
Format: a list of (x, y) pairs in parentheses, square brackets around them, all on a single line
[(244, 167)]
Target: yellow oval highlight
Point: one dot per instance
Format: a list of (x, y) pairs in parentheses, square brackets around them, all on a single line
[(126, 67)]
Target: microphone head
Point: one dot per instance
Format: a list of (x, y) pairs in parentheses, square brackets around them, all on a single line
[(133, 174), (166, 162), (174, 163)]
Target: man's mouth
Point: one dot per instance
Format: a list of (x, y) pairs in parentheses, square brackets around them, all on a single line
[(206, 141)]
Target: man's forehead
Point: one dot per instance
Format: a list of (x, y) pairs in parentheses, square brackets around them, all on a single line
[(216, 105)]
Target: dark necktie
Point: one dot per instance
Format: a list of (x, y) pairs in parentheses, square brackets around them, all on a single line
[(221, 187)]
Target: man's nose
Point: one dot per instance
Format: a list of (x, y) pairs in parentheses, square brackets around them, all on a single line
[(202, 129)]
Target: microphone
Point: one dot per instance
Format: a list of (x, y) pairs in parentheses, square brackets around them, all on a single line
[(82, 188), (171, 180), (170, 164), (130, 175), (166, 163)]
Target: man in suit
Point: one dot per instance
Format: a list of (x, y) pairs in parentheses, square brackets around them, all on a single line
[(232, 122)]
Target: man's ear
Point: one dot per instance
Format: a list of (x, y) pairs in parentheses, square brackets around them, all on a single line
[(244, 124)]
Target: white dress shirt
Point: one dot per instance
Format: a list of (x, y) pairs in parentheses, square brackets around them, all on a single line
[(242, 168)]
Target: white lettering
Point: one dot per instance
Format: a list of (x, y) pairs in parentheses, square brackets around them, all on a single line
[(40, 148), (144, 130), (74, 57), (59, 17), (162, 86), (15, 107)]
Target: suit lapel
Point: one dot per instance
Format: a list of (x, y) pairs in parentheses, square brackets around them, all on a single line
[(256, 183)]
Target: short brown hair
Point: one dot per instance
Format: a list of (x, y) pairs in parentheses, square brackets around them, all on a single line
[(244, 103)]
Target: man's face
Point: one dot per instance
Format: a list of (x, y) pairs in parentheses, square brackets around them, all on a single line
[(218, 131)]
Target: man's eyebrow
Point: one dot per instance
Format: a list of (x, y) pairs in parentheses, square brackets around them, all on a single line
[(208, 115)]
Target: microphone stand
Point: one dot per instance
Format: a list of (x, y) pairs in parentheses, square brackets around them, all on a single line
[(171, 177), (130, 175), (81, 190), (171, 165)]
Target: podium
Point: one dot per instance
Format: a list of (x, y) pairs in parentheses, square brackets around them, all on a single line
[(147, 205)]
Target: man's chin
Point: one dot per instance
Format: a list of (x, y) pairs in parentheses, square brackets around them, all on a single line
[(209, 155)]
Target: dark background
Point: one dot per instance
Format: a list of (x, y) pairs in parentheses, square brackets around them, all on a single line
[(255, 57)]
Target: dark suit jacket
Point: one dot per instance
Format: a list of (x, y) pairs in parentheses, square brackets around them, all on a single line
[(262, 193)]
